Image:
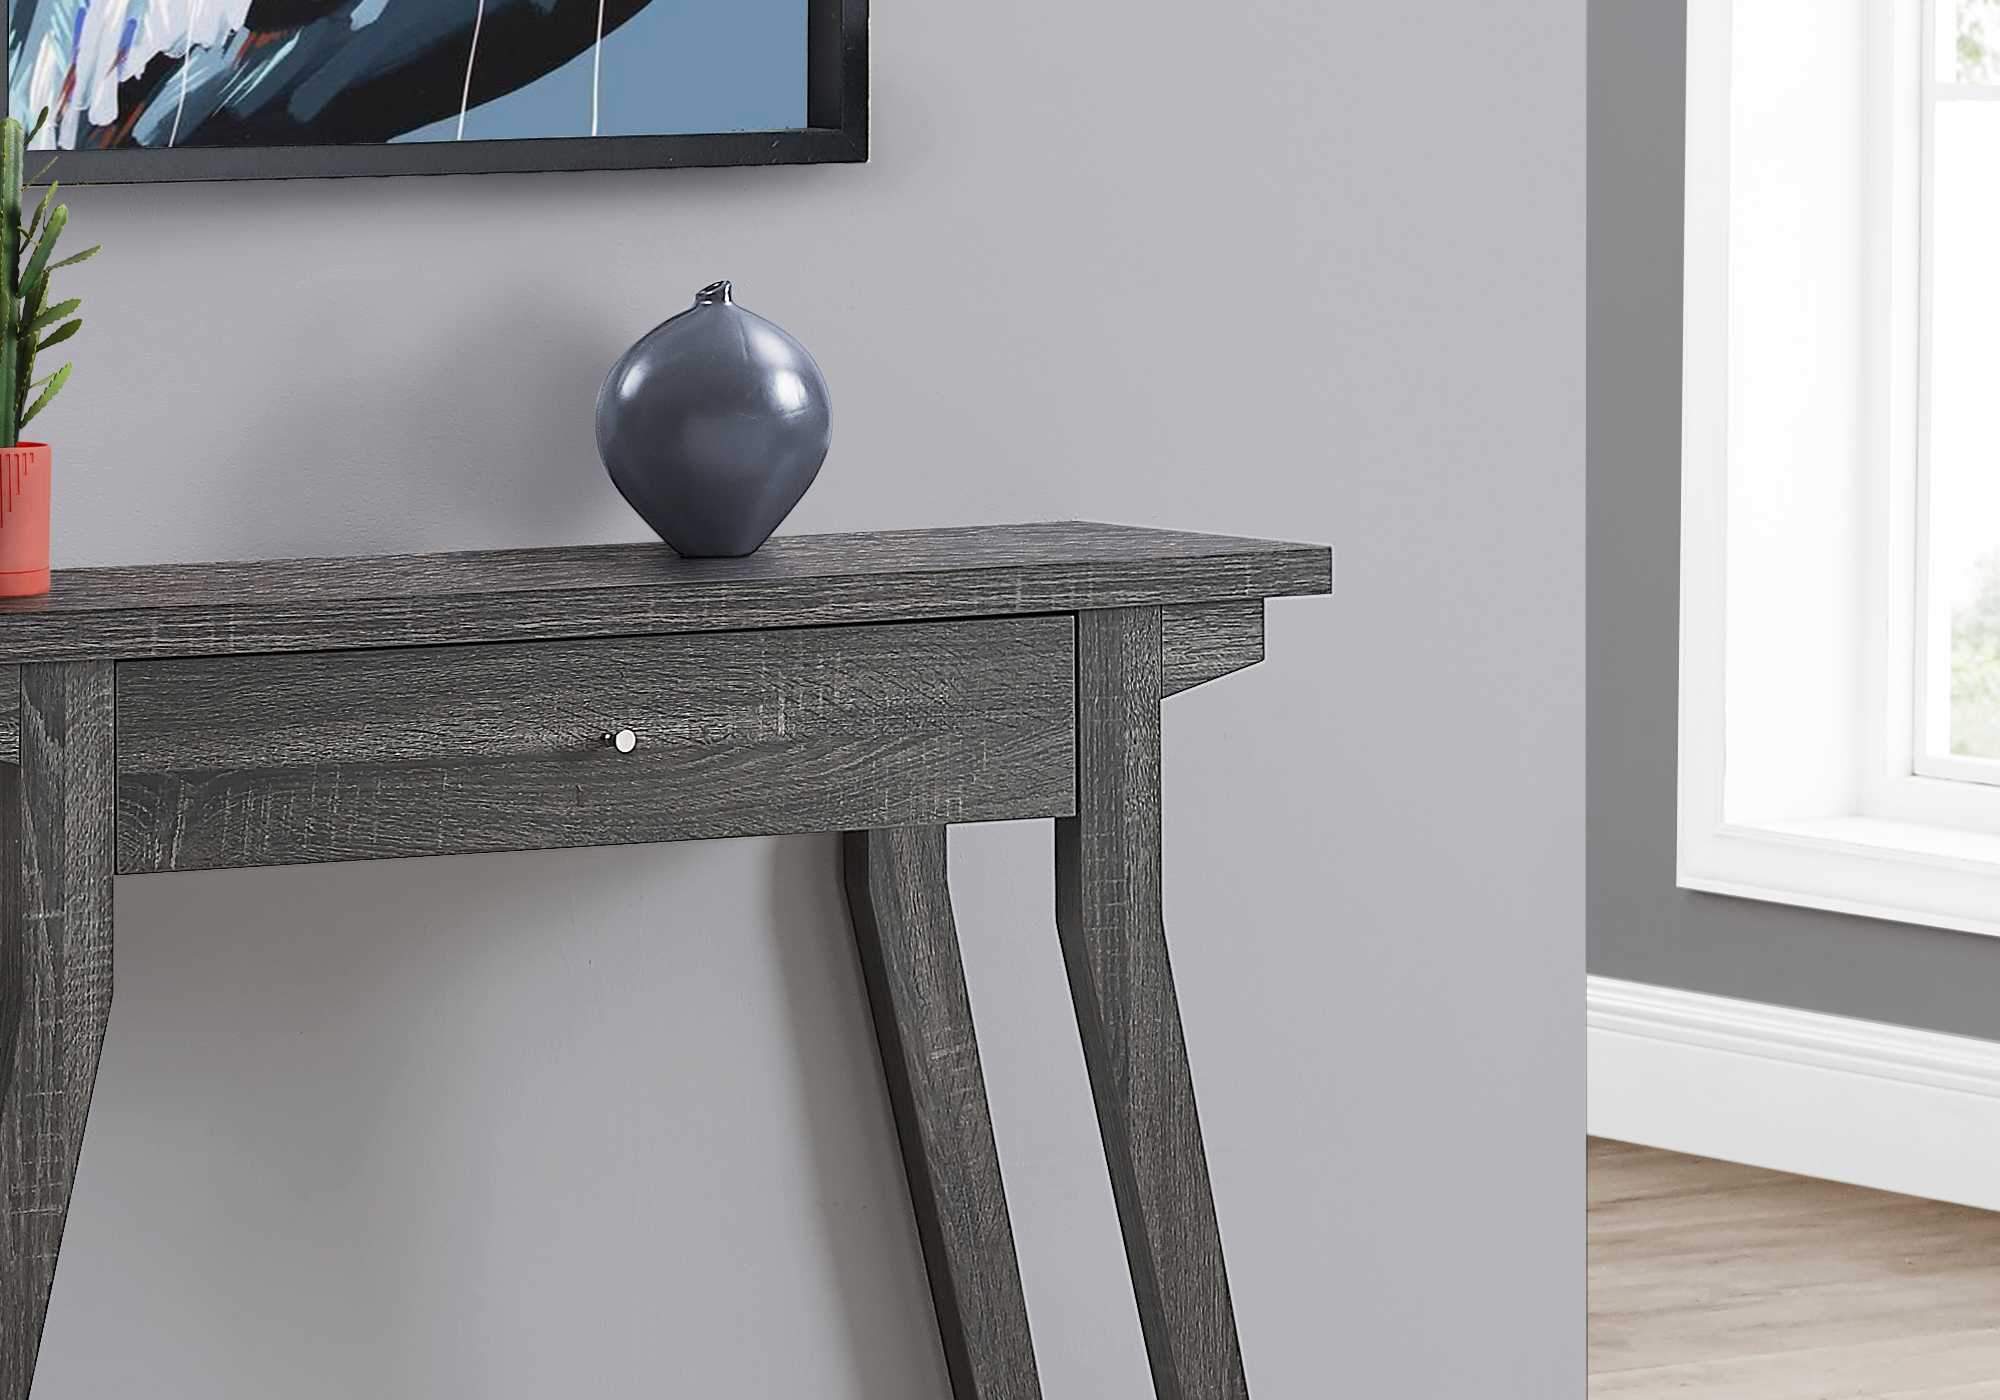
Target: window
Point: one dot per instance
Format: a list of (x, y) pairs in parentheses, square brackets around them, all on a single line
[(1840, 584), (1958, 706)]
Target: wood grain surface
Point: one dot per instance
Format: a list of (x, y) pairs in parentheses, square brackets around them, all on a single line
[(1108, 912), (903, 928), (1202, 642), (617, 590), (883, 684), (347, 756), (10, 714), (55, 980), (1714, 1281)]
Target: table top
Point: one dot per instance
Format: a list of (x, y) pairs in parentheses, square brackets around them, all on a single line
[(609, 590)]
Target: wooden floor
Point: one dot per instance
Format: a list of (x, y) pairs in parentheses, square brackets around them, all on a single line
[(1710, 1281)]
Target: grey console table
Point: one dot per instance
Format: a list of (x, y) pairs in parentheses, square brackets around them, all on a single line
[(881, 685)]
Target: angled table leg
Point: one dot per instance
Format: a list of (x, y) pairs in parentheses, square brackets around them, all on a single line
[(923, 1021), (56, 838), (1114, 944)]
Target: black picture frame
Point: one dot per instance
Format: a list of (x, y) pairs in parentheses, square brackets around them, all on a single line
[(836, 131)]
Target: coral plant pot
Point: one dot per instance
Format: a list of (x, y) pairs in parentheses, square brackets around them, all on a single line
[(24, 520)]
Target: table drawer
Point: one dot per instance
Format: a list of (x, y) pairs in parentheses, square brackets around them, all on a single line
[(260, 760)]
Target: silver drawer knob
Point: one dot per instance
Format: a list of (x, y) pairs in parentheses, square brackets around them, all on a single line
[(624, 740)]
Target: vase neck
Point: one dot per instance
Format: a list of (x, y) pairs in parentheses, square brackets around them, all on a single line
[(714, 294)]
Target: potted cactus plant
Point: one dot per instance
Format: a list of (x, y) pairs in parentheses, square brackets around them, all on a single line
[(32, 323)]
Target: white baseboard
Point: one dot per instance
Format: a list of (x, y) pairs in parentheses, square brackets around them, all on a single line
[(1857, 1101)]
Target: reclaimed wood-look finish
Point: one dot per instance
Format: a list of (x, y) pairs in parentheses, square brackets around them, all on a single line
[(1108, 911), (319, 757), (622, 590), (10, 714), (908, 943), (55, 980), (884, 685), (558, 699), (1202, 642)]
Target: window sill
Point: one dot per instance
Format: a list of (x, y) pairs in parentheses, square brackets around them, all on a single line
[(1942, 877)]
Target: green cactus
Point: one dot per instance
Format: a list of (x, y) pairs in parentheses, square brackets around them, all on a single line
[(32, 324)]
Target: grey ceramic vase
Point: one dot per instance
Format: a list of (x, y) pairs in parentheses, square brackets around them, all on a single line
[(713, 426)]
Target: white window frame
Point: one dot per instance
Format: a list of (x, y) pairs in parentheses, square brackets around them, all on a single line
[(1864, 829), (1930, 756)]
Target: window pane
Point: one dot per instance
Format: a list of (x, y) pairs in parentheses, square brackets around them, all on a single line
[(1964, 369), (1968, 41)]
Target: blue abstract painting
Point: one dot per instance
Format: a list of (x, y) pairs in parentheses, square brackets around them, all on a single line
[(159, 74)]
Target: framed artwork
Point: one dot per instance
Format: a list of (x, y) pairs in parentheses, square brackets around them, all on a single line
[(141, 90)]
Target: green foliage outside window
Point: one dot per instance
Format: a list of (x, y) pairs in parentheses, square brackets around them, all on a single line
[(1975, 667), (1978, 41)]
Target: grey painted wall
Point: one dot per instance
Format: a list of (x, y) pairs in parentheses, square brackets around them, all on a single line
[(609, 1123), (1641, 926)]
